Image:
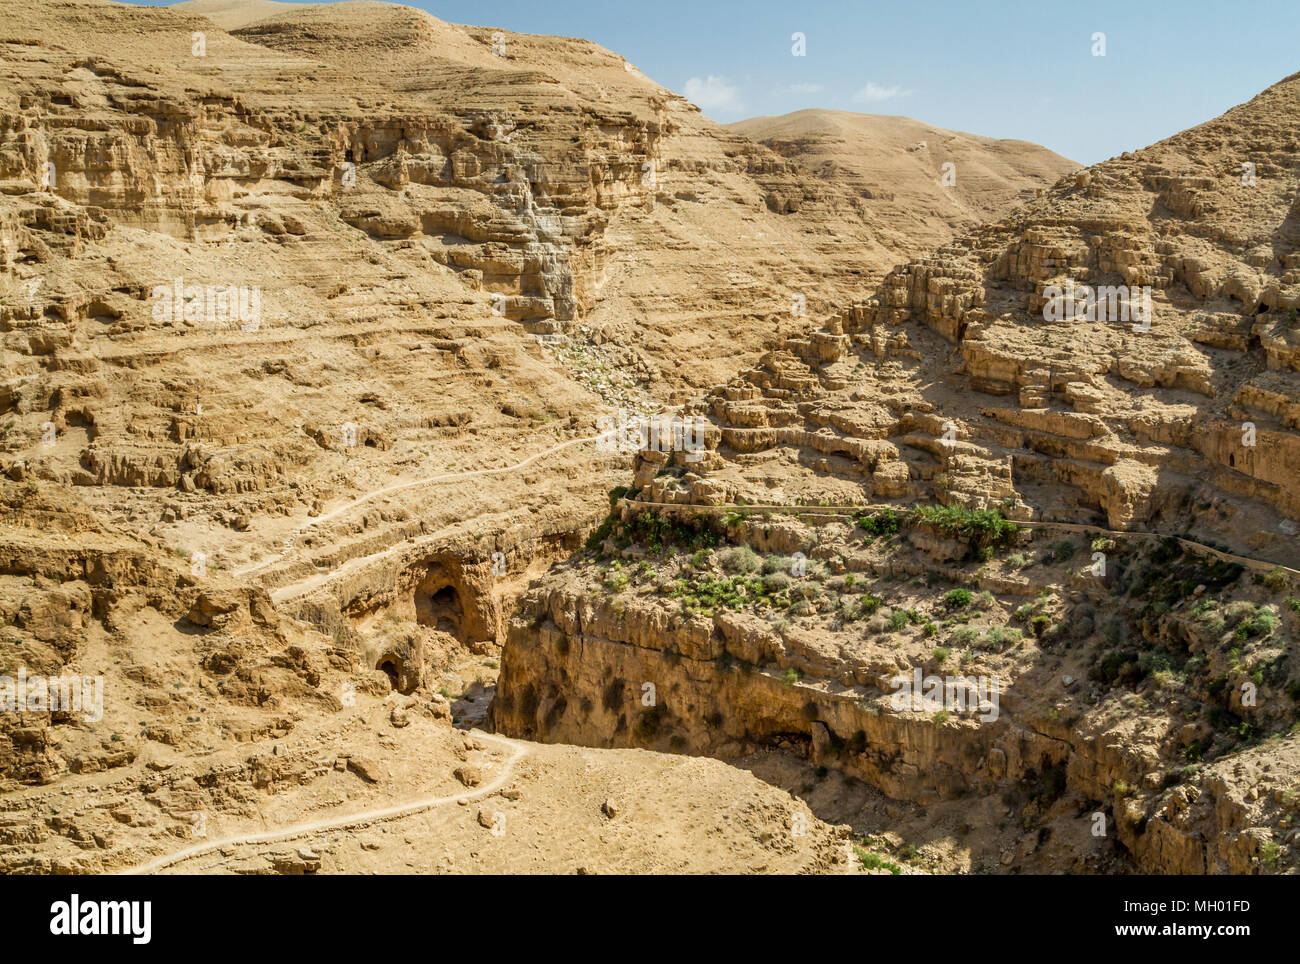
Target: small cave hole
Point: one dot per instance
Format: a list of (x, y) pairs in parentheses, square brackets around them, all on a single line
[(440, 609)]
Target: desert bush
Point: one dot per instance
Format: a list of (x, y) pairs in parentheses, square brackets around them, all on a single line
[(998, 639), (1259, 624), (964, 636), (883, 523), (872, 861), (776, 582), (739, 559), (957, 599), (868, 603)]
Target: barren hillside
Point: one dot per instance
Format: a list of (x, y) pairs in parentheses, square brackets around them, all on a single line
[(918, 182)]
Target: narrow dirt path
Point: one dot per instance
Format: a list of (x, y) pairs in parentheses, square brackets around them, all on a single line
[(519, 751), (401, 486)]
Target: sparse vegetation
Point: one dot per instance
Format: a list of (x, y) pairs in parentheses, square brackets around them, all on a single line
[(983, 527), (873, 861), (957, 599)]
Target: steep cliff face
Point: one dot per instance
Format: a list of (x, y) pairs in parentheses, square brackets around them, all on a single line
[(1156, 702), (350, 214)]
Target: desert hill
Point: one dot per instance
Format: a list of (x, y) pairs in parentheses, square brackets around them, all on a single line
[(896, 165)]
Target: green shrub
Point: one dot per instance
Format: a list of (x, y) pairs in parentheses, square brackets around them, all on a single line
[(872, 861), (941, 654), (868, 603), (791, 677), (898, 619), (1275, 579), (998, 639), (1260, 624), (1017, 560), (1270, 850), (884, 523), (616, 579), (957, 599)]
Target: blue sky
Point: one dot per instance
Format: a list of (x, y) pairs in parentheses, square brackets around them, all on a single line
[(1002, 69)]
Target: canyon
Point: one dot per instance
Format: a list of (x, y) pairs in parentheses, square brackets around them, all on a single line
[(315, 319)]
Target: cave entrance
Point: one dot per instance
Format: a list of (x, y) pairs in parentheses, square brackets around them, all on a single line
[(394, 668), (439, 608)]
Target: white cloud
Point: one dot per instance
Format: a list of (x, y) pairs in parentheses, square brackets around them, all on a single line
[(874, 93), (713, 93), (805, 88)]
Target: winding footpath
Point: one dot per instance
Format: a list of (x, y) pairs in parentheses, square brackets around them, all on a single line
[(402, 486), (519, 751)]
